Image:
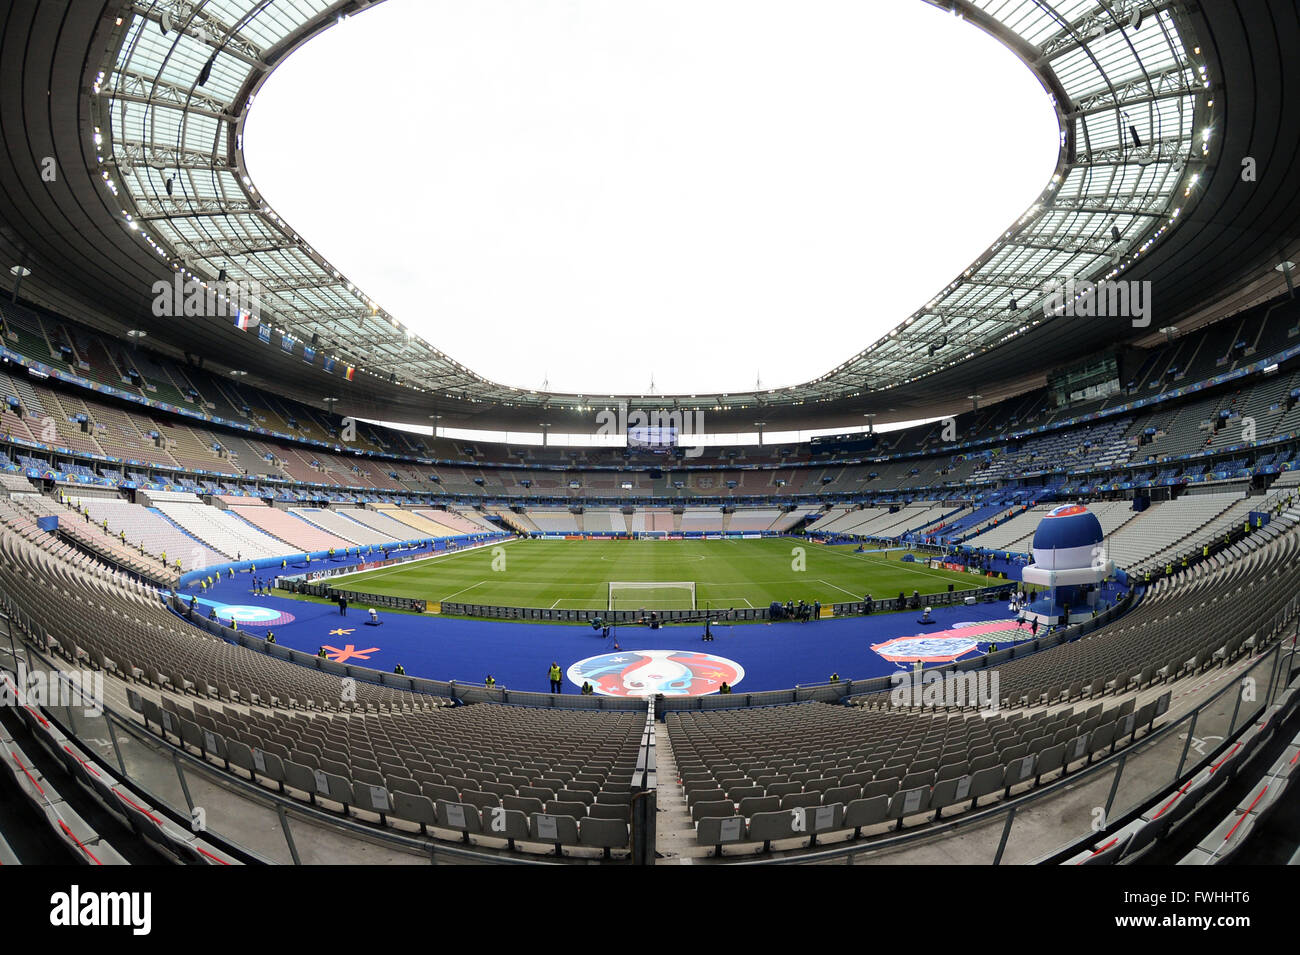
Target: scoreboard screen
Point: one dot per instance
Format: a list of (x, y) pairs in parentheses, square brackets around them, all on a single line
[(652, 438)]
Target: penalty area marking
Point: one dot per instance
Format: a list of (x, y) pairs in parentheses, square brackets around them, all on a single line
[(713, 600), (585, 603), (462, 590), (841, 589), (878, 561)]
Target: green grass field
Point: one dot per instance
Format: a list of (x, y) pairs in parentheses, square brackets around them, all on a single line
[(576, 575)]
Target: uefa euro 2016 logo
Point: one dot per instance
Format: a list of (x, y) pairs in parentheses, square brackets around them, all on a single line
[(927, 649), (650, 672)]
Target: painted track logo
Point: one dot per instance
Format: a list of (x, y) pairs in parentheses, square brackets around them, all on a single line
[(928, 649), (649, 672), (248, 614), (947, 645)]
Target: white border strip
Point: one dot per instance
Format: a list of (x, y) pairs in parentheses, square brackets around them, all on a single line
[(378, 571)]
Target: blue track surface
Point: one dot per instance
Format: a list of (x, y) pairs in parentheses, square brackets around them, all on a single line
[(774, 656)]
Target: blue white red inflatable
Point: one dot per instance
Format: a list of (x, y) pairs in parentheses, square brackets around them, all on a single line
[(1068, 537)]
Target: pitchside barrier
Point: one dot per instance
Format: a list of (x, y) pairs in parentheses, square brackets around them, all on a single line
[(922, 601), (354, 597), (717, 614), (544, 614)]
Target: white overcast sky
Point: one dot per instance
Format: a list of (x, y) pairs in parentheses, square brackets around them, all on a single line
[(594, 192)]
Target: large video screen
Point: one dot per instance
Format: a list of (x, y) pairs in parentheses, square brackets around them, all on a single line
[(652, 438)]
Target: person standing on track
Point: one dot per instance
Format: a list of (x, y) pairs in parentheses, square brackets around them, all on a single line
[(555, 678)]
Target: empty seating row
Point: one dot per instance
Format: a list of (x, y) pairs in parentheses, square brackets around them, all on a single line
[(481, 769), (123, 802), (1175, 810), (789, 764)]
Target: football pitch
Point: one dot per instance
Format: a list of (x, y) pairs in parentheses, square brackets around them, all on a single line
[(655, 575)]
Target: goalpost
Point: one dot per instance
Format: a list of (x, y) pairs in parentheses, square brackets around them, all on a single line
[(652, 595)]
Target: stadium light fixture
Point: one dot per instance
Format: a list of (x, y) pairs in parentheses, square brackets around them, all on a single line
[(206, 73)]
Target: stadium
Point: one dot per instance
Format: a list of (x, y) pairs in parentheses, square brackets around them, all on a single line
[(1014, 582)]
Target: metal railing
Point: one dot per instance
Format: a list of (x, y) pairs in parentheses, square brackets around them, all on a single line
[(251, 822), (1119, 784)]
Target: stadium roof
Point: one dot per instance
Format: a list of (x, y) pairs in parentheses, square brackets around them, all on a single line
[(155, 94)]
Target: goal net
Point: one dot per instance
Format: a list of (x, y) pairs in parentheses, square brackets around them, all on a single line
[(651, 595)]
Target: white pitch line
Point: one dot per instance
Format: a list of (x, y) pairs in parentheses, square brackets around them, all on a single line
[(867, 560), (444, 557), (713, 600), (470, 587), (840, 589)]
